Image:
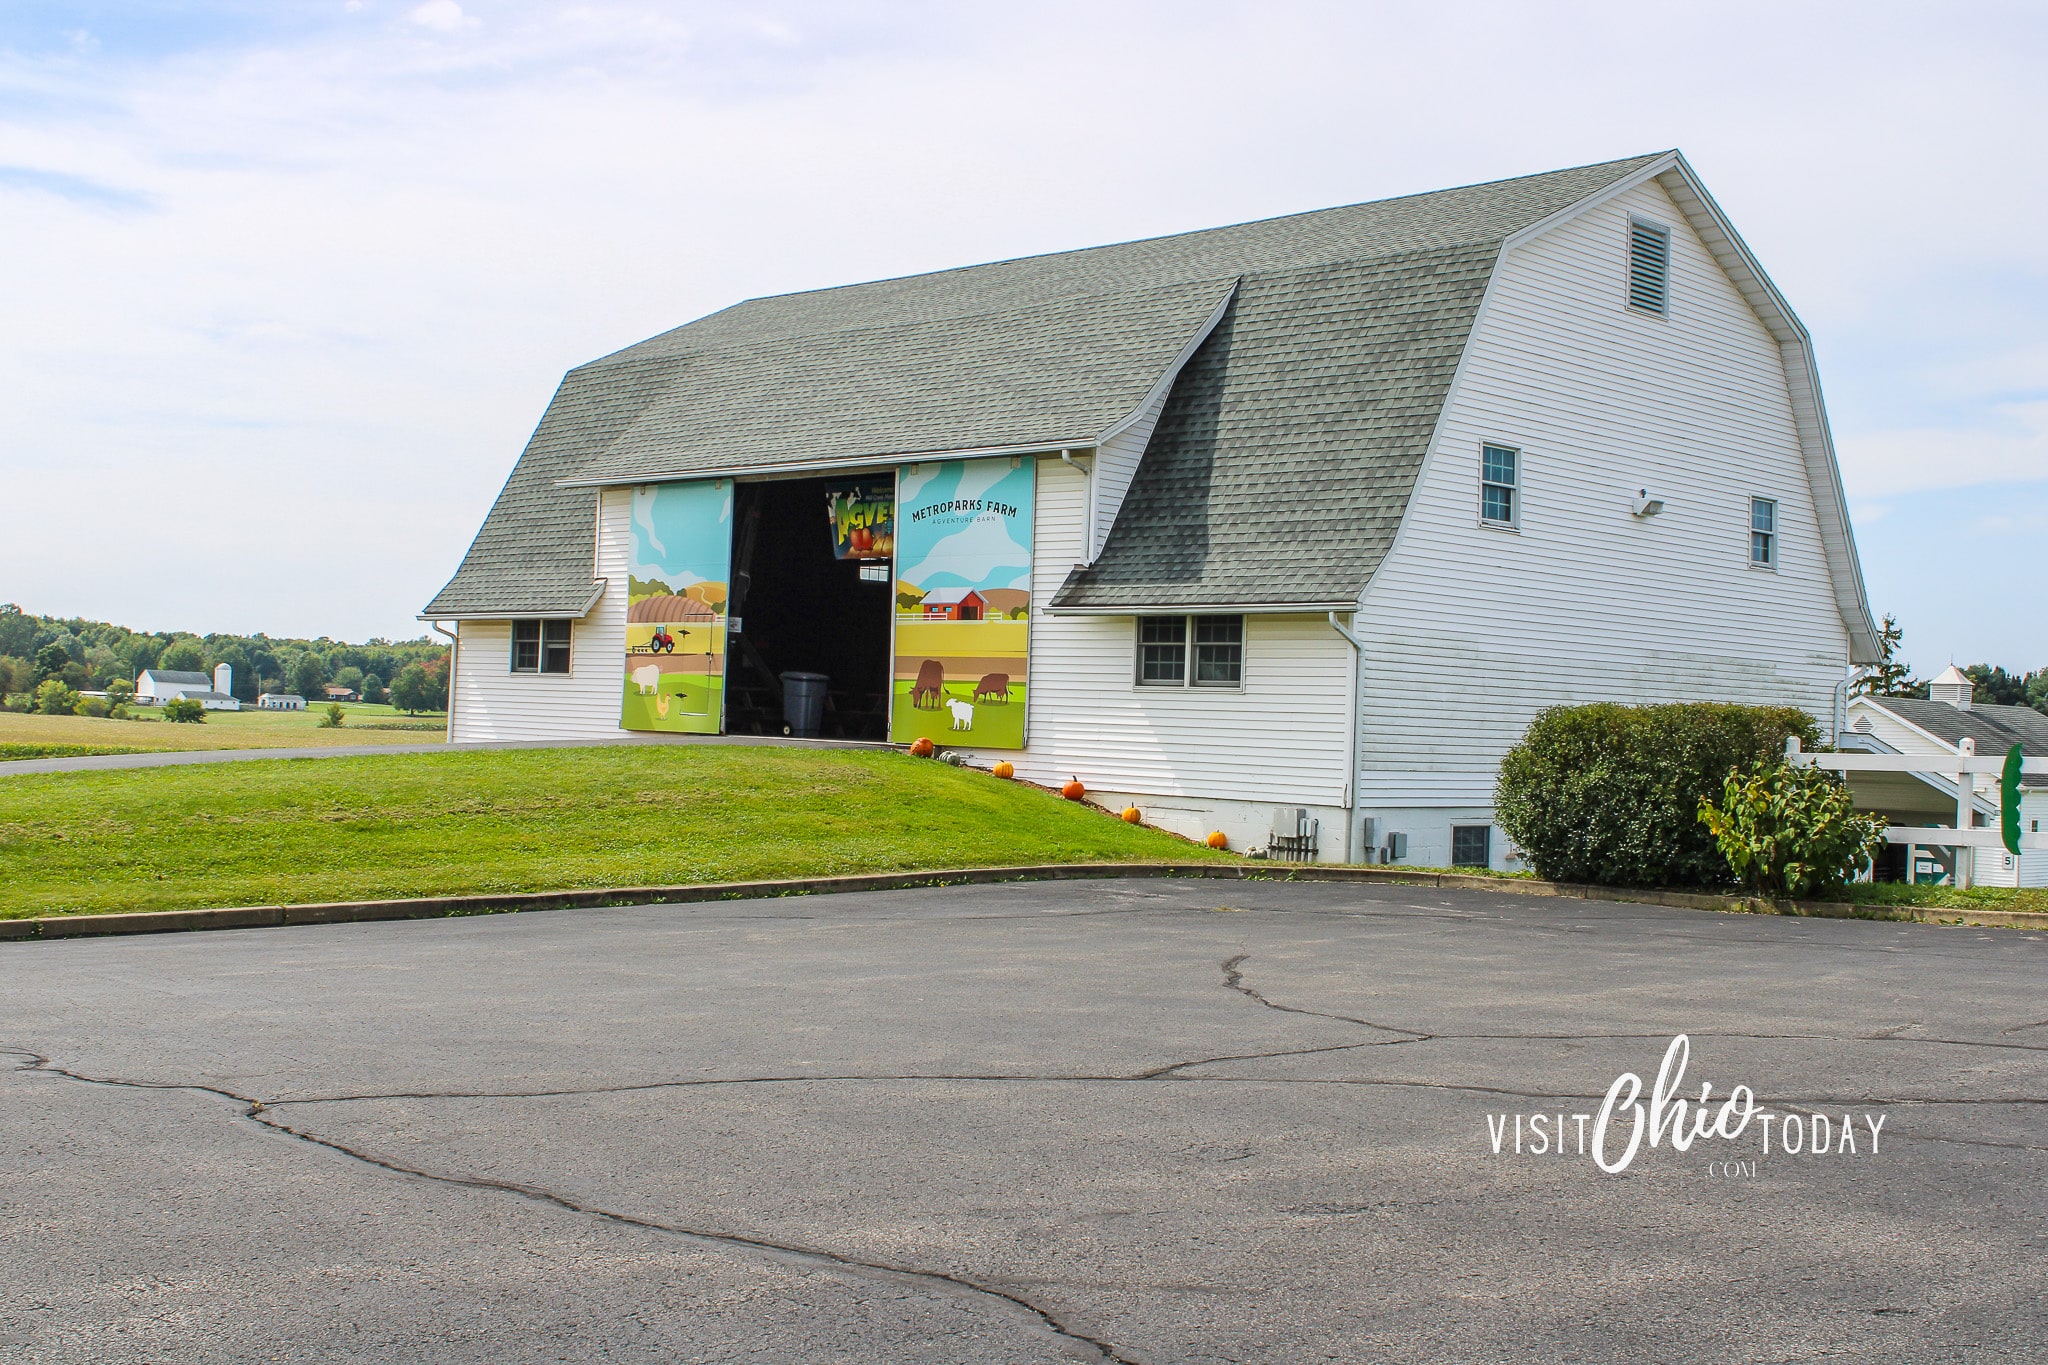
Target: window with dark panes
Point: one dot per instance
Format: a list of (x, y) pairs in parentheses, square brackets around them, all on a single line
[(526, 646), (554, 646), (1497, 484), (541, 646), (1763, 533), (1219, 651), (1471, 845), (1162, 650)]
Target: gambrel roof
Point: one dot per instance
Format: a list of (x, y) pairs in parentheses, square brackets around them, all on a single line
[(1309, 358)]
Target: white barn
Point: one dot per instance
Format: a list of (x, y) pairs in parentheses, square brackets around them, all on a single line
[(1308, 514), (155, 686)]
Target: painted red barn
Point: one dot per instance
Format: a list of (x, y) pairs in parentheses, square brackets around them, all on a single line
[(954, 604)]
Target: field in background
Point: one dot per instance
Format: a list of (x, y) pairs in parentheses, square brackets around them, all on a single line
[(303, 830), (61, 735)]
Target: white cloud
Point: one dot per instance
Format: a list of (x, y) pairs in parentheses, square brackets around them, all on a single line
[(1888, 463), (444, 16)]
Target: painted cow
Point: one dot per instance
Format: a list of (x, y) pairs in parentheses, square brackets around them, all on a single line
[(993, 687), (931, 682)]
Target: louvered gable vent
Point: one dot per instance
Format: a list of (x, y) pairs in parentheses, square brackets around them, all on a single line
[(1649, 266)]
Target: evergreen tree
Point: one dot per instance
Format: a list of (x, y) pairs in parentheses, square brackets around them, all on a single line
[(1888, 677)]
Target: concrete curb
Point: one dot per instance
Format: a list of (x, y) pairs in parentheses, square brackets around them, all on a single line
[(442, 907)]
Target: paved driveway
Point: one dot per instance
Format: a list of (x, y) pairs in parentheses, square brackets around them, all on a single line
[(1142, 1122)]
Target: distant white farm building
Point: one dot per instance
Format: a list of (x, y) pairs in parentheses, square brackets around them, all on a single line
[(281, 701), (158, 685)]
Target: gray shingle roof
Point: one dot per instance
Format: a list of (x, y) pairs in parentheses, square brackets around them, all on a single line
[(1305, 412), (180, 677), (1300, 424), (1995, 728), (1045, 373)]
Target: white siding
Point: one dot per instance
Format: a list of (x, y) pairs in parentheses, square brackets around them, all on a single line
[(1471, 630), (492, 702), (1193, 758), (1116, 464)]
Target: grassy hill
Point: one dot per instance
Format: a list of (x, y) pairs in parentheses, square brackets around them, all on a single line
[(302, 830)]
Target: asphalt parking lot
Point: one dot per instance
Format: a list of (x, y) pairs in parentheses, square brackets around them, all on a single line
[(1134, 1121)]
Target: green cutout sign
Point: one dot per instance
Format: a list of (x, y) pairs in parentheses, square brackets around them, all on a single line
[(2009, 801)]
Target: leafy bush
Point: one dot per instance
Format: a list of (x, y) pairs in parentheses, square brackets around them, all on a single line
[(53, 698), (1791, 831), (119, 711), (1610, 794), (185, 711), (18, 703), (91, 706), (335, 716)]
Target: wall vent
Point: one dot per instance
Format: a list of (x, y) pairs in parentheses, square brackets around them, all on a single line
[(1649, 266)]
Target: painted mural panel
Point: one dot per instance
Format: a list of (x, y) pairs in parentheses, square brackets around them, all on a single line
[(963, 602), (677, 571)]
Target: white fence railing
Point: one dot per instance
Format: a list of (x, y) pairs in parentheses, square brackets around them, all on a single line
[(1958, 768)]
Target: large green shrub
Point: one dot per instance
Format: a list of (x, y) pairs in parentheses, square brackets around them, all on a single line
[(185, 710), (1791, 831), (1610, 794)]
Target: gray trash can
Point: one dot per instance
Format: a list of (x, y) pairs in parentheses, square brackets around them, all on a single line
[(803, 701)]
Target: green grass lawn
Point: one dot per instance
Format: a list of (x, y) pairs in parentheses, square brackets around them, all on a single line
[(2032, 899), (28, 736), (303, 830)]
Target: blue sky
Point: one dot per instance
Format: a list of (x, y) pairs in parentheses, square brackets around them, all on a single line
[(288, 284)]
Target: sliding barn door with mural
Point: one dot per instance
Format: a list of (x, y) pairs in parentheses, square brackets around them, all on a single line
[(963, 602), (677, 574)]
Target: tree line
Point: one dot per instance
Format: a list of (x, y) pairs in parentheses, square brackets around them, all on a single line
[(97, 656)]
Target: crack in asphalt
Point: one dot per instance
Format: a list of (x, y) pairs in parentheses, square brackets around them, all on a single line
[(258, 1112), (1233, 977)]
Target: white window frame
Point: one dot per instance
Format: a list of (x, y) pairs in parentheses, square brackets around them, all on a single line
[(1513, 521), (1773, 544), (1190, 653), (540, 667)]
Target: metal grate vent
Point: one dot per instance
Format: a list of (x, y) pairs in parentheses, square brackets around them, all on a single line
[(1649, 267)]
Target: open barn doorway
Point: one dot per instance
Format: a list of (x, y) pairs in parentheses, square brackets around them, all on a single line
[(799, 608)]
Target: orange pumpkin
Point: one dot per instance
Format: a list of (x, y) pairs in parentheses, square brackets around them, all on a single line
[(922, 746), (1073, 791), (1005, 769), (1217, 839), (1131, 815)]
